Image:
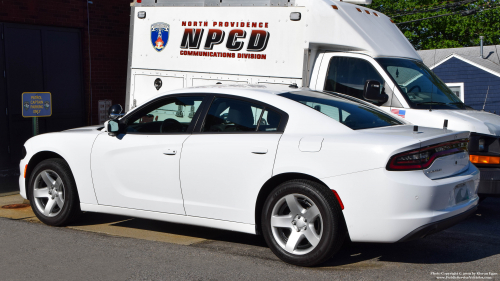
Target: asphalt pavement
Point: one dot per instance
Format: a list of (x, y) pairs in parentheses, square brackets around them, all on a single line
[(31, 250)]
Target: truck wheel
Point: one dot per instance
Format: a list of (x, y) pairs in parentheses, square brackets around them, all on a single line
[(52, 193), (302, 223)]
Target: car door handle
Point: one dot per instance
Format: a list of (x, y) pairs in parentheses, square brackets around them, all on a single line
[(171, 152), (259, 150)]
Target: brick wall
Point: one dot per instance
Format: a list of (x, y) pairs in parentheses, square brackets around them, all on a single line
[(109, 30)]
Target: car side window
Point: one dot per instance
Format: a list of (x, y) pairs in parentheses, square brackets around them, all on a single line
[(270, 121), (348, 76), (234, 115), (352, 114), (171, 115)]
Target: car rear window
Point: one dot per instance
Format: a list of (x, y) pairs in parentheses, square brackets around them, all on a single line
[(352, 114)]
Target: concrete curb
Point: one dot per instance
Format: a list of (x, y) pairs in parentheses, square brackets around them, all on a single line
[(9, 193)]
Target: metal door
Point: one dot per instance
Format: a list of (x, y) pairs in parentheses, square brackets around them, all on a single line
[(42, 59), (4, 129)]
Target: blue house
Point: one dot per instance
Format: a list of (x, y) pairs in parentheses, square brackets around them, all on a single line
[(474, 79)]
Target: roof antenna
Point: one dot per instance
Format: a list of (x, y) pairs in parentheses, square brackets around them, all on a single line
[(294, 85), (445, 126), (486, 97), (415, 129)]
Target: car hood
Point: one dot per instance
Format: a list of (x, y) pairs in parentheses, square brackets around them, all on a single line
[(96, 128), (484, 122)]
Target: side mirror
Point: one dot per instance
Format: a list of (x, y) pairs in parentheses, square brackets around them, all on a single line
[(113, 128), (115, 112), (372, 92)]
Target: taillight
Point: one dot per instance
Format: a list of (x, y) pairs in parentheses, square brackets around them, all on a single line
[(423, 158)]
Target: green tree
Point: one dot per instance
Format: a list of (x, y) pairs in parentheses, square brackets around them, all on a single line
[(447, 31)]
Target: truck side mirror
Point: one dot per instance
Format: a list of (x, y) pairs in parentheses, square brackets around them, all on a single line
[(372, 92), (115, 112)]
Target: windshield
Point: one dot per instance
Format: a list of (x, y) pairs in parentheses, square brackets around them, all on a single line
[(421, 88), (352, 114)]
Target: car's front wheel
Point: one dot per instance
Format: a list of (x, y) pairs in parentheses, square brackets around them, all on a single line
[(302, 223), (52, 193)]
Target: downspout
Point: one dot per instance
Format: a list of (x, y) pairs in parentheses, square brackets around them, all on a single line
[(482, 45)]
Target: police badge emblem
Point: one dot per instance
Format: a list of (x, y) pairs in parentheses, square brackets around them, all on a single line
[(26, 105), (159, 35)]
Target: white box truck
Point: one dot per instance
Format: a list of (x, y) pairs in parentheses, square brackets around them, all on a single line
[(324, 45)]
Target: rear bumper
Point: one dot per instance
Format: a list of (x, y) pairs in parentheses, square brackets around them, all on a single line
[(386, 207), (438, 226), (490, 181)]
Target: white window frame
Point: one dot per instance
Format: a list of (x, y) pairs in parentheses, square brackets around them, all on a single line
[(462, 87), (325, 65)]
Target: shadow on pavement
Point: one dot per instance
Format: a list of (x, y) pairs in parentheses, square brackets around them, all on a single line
[(476, 238), (170, 228)]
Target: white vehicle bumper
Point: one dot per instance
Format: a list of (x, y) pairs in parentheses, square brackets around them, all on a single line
[(22, 182), (385, 206)]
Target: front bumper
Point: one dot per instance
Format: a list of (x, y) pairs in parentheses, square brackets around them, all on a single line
[(490, 181), (22, 180)]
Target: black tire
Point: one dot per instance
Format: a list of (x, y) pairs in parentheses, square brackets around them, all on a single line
[(57, 169), (482, 198), (332, 226)]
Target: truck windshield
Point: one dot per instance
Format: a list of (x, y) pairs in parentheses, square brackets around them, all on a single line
[(352, 114), (421, 88)]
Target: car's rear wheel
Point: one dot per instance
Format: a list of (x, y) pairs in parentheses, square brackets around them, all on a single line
[(52, 193), (302, 223)]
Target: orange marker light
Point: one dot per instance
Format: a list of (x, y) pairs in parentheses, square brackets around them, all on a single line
[(359, 10), (392, 21), (375, 14), (335, 7), (366, 11), (476, 159), (25, 168)]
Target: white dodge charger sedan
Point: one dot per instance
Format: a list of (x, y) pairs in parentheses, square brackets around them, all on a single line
[(305, 169)]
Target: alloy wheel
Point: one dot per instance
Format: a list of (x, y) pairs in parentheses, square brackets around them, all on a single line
[(49, 193), (296, 223)]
